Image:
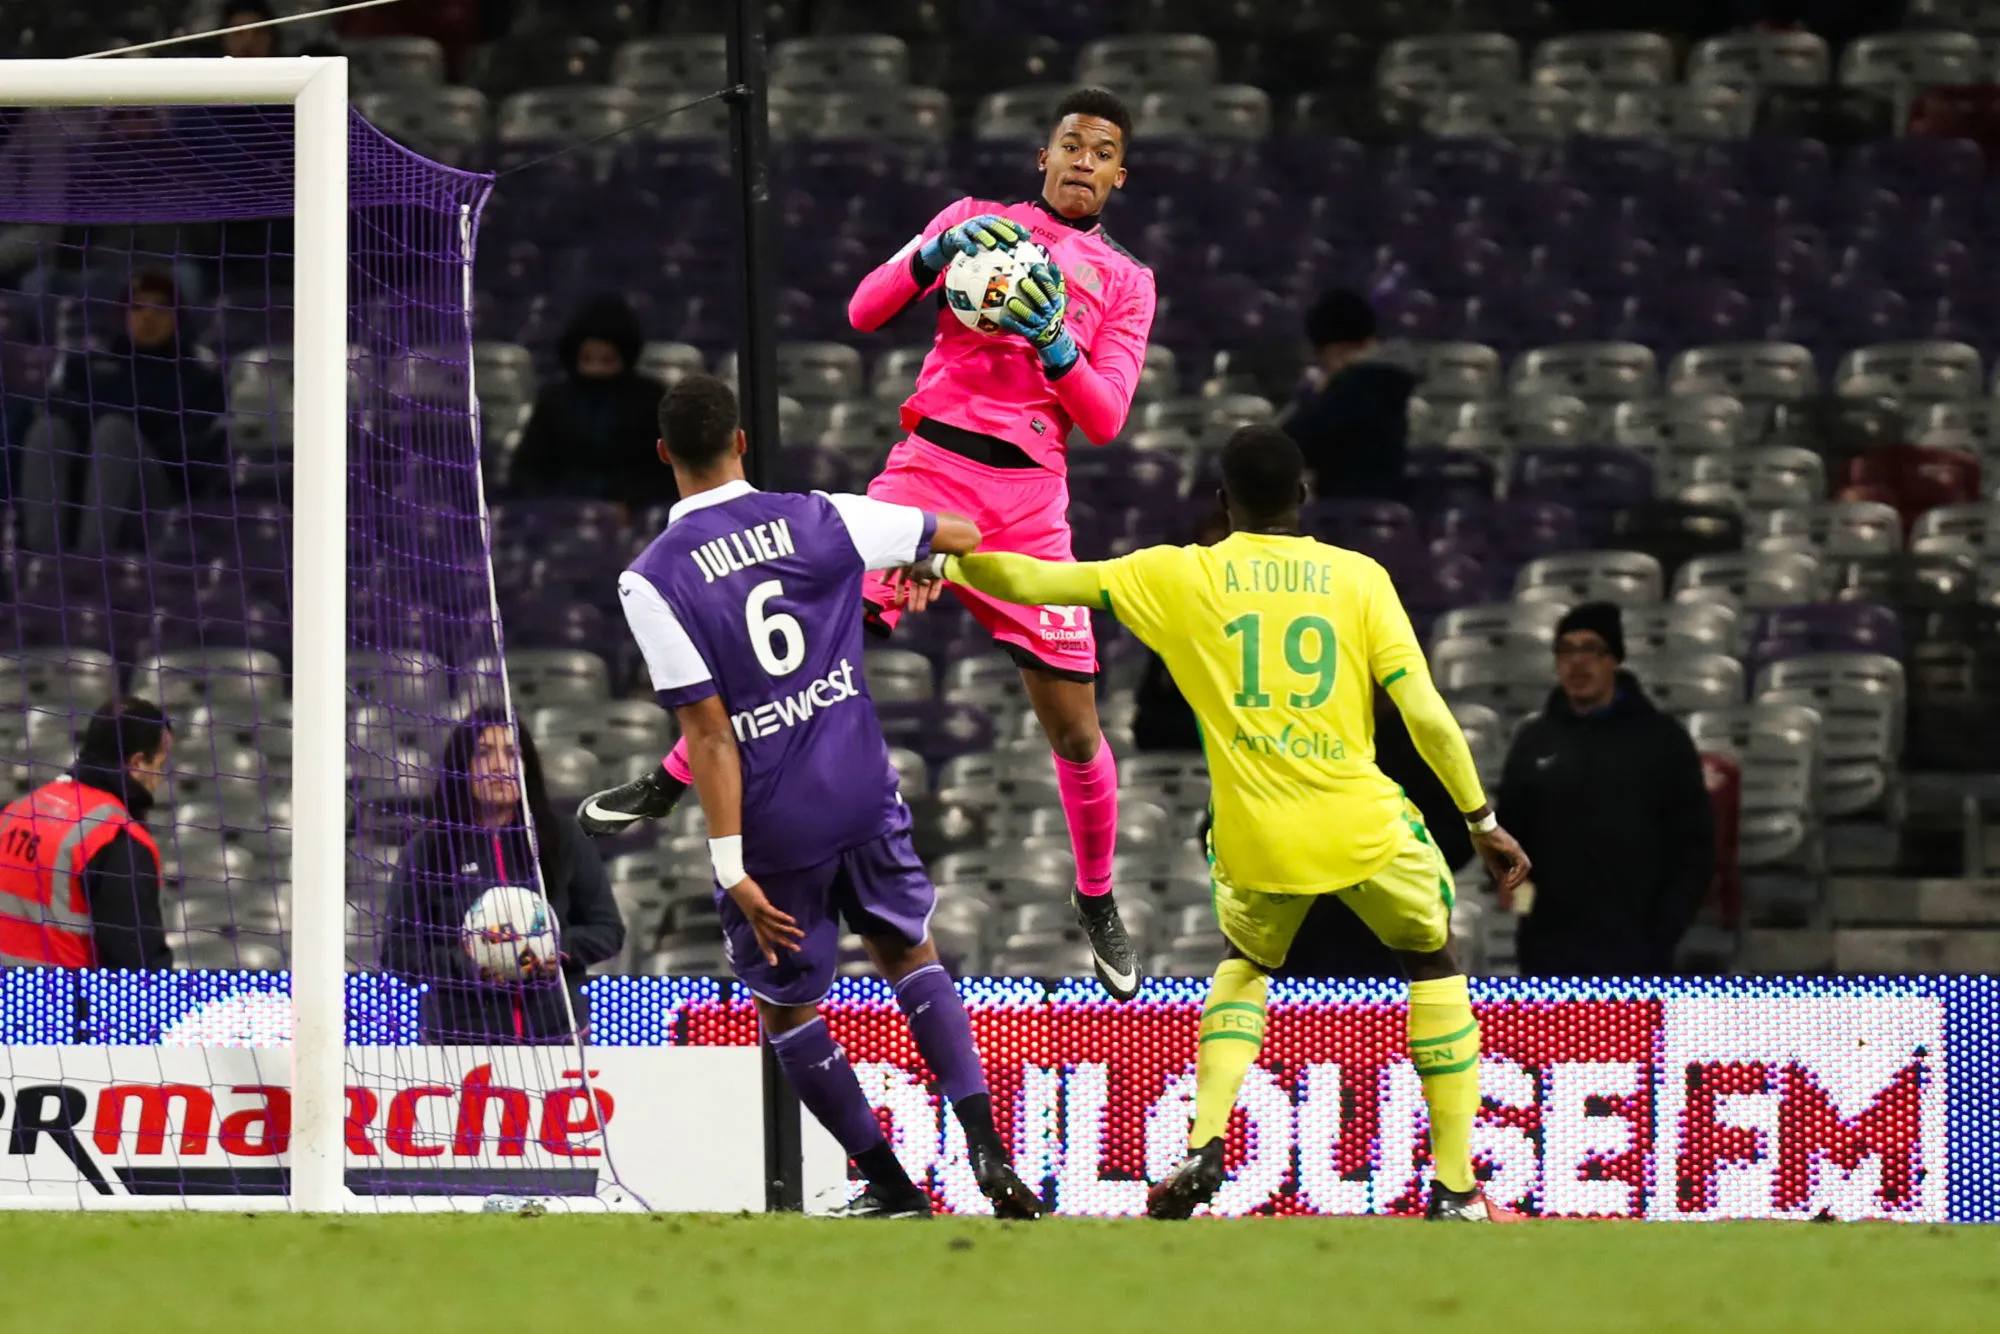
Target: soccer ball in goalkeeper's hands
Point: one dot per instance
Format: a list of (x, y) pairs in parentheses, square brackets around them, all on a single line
[(978, 284), (508, 931)]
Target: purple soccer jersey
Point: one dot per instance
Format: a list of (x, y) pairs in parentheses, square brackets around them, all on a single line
[(756, 597)]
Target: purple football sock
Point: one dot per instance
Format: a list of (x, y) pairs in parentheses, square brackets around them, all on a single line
[(825, 1083), (943, 1031)]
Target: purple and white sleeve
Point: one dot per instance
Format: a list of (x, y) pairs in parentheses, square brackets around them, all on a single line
[(679, 674), (887, 536)]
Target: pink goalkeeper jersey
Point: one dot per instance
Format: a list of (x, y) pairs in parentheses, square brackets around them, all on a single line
[(995, 384)]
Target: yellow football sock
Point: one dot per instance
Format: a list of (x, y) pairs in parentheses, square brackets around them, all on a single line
[(1232, 1033), (1444, 1044)]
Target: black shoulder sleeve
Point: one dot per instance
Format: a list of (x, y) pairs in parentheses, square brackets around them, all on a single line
[(122, 885)]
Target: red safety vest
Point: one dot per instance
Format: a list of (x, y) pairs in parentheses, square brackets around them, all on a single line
[(47, 838)]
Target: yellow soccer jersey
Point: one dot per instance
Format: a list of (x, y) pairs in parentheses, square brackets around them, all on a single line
[(1277, 643)]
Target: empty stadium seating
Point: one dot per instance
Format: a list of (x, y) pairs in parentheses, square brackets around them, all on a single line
[(1739, 382)]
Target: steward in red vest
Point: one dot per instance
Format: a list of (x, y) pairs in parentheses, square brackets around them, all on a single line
[(79, 874)]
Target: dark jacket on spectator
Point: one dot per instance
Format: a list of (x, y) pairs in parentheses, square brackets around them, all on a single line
[(175, 399), (122, 884), (594, 438), (1612, 809), (1334, 942), (442, 874), (1355, 431)]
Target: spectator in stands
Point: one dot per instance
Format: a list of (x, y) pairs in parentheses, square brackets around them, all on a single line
[(1351, 419), (475, 838), (592, 434), (130, 430), (1606, 795), (257, 41), (93, 817)]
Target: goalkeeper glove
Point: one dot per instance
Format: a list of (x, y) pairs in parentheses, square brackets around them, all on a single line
[(988, 231), (1035, 312)]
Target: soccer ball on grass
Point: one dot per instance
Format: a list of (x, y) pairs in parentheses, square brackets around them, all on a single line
[(508, 928), (977, 285)]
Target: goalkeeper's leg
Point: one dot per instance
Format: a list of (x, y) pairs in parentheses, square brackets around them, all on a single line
[(650, 797)]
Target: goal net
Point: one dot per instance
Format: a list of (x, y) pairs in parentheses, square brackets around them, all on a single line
[(236, 369)]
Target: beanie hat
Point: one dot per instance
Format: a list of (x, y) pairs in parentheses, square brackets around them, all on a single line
[(1602, 619)]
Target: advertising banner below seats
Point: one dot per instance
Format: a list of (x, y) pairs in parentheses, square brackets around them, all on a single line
[(1691, 1100), (442, 1126), (1672, 1109)]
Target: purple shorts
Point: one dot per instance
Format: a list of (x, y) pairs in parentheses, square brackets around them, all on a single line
[(879, 888)]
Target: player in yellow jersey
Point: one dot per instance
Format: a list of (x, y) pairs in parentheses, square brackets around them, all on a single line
[(1279, 642)]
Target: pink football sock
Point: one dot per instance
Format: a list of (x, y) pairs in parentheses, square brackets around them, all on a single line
[(676, 763), (1090, 804)]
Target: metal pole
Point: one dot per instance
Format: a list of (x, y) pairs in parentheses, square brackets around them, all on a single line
[(749, 151), (784, 1169)]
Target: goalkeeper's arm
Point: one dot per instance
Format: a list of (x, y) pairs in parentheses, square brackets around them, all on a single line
[(1026, 581)]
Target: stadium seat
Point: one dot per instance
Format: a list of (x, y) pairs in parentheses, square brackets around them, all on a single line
[(1753, 580), (1681, 627), (1919, 372), (1589, 371), (612, 730), (1835, 528), (1681, 681), (394, 62), (1776, 749), (1904, 61), (1218, 114), (1624, 577), (902, 116), (840, 61), (1694, 112), (1605, 59), (1759, 372), (1971, 528), (692, 60), (1146, 62), (565, 115), (1760, 60), (899, 676)]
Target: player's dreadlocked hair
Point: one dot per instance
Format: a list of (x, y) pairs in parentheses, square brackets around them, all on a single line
[(1262, 473), (1102, 104), (698, 421)]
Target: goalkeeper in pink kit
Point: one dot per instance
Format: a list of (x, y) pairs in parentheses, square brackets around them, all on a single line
[(989, 430)]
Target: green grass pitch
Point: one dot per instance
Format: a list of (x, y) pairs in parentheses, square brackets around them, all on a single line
[(217, 1274)]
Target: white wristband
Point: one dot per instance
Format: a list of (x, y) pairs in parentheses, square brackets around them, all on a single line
[(1485, 824), (726, 856)]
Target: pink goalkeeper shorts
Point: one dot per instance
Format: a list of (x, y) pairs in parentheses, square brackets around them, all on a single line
[(1024, 510)]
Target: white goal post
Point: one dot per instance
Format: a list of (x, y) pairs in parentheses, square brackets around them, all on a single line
[(316, 90)]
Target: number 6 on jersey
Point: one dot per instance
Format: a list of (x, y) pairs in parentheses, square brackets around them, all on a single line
[(778, 640)]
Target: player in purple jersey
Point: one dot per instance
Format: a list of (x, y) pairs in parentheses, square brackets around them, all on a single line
[(748, 611)]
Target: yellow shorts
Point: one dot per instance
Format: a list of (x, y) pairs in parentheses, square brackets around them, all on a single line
[(1407, 904)]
